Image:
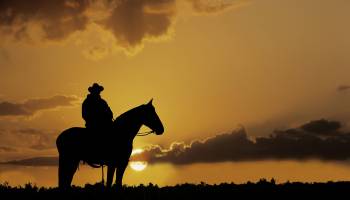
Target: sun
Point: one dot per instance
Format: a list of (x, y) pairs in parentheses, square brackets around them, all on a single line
[(136, 151), (138, 165)]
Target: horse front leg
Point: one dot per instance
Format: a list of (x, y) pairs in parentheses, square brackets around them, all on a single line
[(119, 174), (110, 174)]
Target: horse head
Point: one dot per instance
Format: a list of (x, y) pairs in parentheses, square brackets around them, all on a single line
[(151, 118)]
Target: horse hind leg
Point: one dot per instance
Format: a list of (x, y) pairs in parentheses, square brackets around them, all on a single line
[(66, 169)]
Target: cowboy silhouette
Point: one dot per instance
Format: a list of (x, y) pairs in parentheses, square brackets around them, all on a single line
[(96, 112)]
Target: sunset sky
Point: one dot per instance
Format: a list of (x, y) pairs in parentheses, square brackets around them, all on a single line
[(226, 77)]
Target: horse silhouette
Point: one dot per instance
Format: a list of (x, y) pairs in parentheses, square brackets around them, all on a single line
[(111, 149)]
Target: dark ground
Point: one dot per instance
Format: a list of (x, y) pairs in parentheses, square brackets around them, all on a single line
[(263, 190)]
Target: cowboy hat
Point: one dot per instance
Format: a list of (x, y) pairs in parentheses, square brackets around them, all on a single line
[(95, 88)]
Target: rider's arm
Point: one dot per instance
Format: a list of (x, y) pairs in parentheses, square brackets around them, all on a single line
[(109, 112)]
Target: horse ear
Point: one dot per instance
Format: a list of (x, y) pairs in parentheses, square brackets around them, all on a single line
[(150, 102)]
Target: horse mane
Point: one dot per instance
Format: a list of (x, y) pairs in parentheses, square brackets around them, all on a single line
[(126, 115)]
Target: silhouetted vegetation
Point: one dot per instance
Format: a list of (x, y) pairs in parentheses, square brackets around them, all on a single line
[(183, 191)]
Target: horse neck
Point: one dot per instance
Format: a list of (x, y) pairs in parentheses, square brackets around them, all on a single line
[(129, 126)]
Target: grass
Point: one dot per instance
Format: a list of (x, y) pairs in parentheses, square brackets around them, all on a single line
[(262, 189)]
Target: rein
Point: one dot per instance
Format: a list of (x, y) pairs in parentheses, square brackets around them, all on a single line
[(144, 133)]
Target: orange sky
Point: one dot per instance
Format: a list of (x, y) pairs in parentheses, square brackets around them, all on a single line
[(209, 65)]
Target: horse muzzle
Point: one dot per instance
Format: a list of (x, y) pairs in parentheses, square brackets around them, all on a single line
[(160, 131)]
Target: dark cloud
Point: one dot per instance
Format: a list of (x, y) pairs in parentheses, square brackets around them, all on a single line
[(342, 88), (14, 135), (290, 144), (28, 138), (11, 109), (39, 139), (130, 21), (32, 106), (301, 143), (322, 126), (57, 18)]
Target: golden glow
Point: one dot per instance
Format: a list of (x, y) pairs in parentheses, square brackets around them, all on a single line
[(136, 151), (266, 66), (138, 165)]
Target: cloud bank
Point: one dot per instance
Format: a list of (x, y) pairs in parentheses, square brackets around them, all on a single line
[(32, 106), (319, 139), (37, 161)]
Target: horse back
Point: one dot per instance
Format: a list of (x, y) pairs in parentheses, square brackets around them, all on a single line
[(70, 137)]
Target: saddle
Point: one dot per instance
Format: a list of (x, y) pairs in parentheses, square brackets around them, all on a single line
[(99, 148)]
